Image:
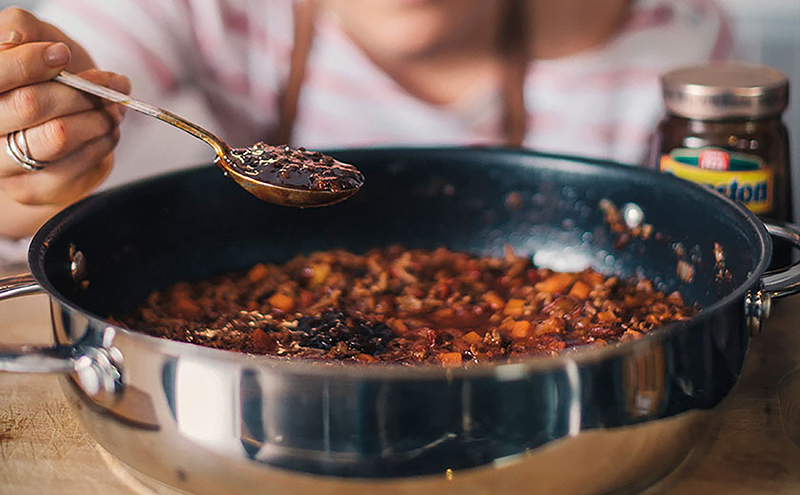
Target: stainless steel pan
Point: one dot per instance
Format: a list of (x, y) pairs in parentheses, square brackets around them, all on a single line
[(210, 421)]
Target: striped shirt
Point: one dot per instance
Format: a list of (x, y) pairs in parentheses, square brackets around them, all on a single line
[(224, 63)]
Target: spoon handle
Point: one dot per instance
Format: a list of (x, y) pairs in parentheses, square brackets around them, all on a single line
[(109, 94)]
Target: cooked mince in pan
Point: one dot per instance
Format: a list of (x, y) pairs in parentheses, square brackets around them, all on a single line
[(407, 306)]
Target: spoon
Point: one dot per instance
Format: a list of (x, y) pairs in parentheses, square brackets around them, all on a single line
[(276, 174)]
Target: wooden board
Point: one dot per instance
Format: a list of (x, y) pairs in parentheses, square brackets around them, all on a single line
[(43, 448)]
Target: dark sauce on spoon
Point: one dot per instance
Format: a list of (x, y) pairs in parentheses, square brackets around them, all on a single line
[(295, 168)]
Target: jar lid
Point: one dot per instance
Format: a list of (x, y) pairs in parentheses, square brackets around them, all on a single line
[(725, 90)]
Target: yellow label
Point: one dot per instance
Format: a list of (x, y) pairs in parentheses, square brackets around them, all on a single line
[(753, 187)]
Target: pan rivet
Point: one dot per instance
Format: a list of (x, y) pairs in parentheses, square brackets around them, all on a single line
[(757, 305), (98, 370), (77, 265)]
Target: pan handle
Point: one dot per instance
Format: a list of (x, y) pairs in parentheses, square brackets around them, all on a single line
[(30, 359), (96, 369), (775, 284), (785, 282)]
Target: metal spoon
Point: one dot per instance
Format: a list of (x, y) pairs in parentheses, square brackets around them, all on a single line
[(237, 162)]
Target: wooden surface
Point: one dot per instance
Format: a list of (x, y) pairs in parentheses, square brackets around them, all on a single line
[(43, 448)]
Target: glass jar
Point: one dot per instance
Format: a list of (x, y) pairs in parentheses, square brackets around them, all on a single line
[(723, 128)]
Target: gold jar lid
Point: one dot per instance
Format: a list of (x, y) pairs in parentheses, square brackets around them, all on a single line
[(725, 90)]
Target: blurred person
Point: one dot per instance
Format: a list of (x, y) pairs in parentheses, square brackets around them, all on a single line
[(578, 77)]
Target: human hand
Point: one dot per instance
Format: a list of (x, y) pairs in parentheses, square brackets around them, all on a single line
[(72, 133)]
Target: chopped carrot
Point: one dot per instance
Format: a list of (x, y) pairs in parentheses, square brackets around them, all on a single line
[(450, 358), (593, 278), (282, 302), (521, 329), (495, 301), (514, 307), (366, 358), (262, 341), (186, 306), (320, 272), (472, 338), (675, 298), (606, 316), (257, 273), (399, 325), (632, 300), (507, 324), (546, 326), (444, 313), (557, 282), (579, 290)]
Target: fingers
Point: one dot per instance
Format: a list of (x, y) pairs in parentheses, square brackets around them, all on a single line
[(31, 63), (58, 120), (68, 179), (18, 26), (30, 106), (58, 138), (73, 132)]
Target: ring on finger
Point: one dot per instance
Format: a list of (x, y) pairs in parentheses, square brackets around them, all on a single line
[(17, 149)]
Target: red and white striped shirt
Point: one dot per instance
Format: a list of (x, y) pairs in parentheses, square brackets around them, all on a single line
[(224, 63)]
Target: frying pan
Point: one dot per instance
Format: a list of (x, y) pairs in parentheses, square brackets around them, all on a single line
[(591, 421)]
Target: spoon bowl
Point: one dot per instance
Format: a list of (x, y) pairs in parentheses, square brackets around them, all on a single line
[(284, 195), (282, 192)]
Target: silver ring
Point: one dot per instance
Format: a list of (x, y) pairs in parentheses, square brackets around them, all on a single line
[(17, 149)]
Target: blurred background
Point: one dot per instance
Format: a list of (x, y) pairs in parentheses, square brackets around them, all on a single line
[(766, 31)]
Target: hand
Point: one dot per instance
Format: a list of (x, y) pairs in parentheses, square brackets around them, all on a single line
[(73, 132)]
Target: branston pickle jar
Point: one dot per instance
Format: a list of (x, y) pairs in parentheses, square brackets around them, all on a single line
[(723, 129)]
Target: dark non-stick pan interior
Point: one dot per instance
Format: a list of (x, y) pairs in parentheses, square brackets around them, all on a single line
[(197, 223)]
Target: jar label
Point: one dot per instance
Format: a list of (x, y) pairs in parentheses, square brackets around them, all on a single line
[(739, 176)]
